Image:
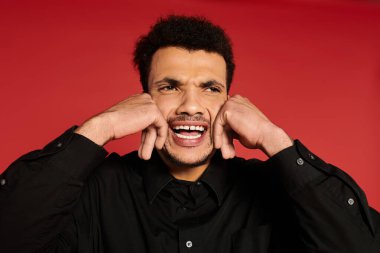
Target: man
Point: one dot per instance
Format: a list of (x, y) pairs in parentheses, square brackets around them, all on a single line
[(187, 193)]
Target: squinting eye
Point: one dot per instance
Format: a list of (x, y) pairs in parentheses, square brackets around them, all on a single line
[(167, 88), (213, 89)]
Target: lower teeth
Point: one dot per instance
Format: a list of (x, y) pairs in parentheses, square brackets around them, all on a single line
[(188, 136)]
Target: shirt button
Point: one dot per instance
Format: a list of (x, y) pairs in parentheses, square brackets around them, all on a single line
[(351, 201), (59, 144), (300, 161), (199, 183), (189, 244), (3, 182)]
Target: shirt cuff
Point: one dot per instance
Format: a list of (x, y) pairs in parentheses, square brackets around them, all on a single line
[(296, 167), (72, 153)]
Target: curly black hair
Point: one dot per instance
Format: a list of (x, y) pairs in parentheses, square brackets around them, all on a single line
[(188, 32)]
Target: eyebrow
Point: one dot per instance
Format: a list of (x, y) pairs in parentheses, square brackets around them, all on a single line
[(168, 80), (175, 82)]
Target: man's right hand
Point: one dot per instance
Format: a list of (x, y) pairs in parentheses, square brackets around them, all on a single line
[(136, 113)]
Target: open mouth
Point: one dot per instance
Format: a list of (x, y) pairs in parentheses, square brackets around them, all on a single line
[(189, 133)]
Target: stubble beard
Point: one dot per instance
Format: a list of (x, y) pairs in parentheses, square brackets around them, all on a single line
[(177, 161)]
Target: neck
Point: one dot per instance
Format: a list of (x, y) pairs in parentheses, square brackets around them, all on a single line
[(187, 173)]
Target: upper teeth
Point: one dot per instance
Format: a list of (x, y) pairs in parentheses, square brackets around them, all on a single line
[(197, 128)]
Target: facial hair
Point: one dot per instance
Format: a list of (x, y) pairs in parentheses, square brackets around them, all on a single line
[(203, 158)]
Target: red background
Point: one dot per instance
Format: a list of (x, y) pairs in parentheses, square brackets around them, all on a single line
[(313, 67)]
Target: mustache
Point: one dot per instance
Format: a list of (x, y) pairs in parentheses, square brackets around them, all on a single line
[(188, 118)]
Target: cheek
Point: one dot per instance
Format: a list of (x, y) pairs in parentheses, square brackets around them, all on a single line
[(214, 107), (166, 105)]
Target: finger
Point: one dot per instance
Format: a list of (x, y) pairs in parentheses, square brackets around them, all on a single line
[(227, 149), (148, 144), (230, 143), (224, 148), (218, 130), (161, 132), (143, 133)]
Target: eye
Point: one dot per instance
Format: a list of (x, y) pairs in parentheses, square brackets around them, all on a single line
[(167, 88), (213, 89)]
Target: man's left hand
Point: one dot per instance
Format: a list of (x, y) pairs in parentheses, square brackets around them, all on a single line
[(240, 119)]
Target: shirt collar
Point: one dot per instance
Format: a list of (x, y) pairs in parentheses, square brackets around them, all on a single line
[(156, 176), (216, 176)]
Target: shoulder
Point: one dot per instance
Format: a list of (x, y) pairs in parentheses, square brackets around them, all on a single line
[(251, 175), (248, 168), (116, 167), (254, 181)]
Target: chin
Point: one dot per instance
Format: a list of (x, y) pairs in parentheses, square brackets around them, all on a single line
[(188, 158)]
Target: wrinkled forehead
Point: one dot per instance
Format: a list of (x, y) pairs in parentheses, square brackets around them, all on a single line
[(187, 66)]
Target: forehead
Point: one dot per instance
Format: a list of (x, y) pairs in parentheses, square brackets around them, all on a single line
[(185, 65)]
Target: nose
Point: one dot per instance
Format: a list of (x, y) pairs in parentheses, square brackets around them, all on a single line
[(190, 104)]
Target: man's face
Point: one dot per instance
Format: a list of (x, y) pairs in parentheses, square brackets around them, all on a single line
[(189, 88)]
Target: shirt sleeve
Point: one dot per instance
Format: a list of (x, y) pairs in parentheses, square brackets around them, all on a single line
[(332, 211), (39, 190)]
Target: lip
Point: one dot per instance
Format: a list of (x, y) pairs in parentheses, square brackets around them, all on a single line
[(188, 142)]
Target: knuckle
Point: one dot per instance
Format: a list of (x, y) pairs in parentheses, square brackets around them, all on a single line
[(145, 95), (228, 106)]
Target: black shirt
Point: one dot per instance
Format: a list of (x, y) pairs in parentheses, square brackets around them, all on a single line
[(70, 197)]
